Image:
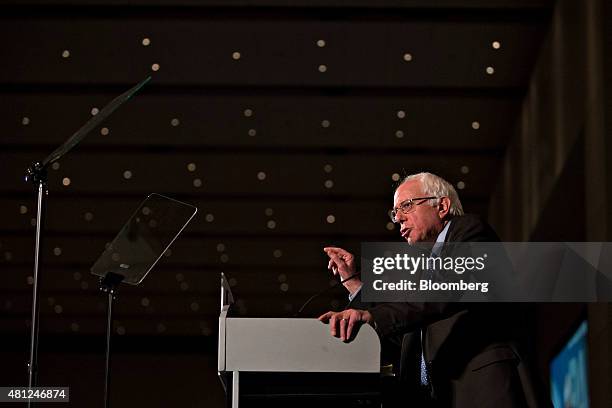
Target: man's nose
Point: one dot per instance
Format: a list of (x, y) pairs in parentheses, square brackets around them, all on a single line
[(400, 217)]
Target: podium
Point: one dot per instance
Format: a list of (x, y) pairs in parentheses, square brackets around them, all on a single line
[(287, 361)]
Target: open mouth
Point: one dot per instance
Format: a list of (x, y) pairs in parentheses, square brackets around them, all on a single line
[(405, 233)]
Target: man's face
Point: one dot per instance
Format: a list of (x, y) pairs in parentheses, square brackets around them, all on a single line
[(422, 224)]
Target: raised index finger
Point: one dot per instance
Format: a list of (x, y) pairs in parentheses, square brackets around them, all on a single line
[(335, 250)]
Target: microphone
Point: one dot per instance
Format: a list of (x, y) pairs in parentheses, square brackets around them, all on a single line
[(316, 295)]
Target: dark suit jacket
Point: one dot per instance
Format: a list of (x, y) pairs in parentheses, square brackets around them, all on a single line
[(472, 350)]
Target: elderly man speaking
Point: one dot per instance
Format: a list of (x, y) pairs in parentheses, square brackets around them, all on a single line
[(452, 354)]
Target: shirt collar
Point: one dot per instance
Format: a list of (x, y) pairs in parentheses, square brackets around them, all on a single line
[(437, 248)]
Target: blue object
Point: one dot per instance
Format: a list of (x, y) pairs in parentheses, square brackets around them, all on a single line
[(569, 386)]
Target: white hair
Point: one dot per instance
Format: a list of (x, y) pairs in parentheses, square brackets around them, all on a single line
[(436, 186)]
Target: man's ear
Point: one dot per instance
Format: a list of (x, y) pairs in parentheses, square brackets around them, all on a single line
[(444, 207)]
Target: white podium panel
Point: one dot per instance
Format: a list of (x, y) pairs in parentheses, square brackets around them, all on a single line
[(294, 345)]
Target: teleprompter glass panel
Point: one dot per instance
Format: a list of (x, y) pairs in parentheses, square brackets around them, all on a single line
[(144, 238)]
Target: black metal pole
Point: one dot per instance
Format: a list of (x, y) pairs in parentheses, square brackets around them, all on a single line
[(38, 175), (109, 328), (108, 285)]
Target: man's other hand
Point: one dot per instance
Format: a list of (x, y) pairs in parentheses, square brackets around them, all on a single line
[(345, 323)]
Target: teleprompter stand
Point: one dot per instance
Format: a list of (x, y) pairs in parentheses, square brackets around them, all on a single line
[(37, 174), (140, 244), (108, 285)]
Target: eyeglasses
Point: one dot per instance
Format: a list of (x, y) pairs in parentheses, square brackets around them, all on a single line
[(407, 207)]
